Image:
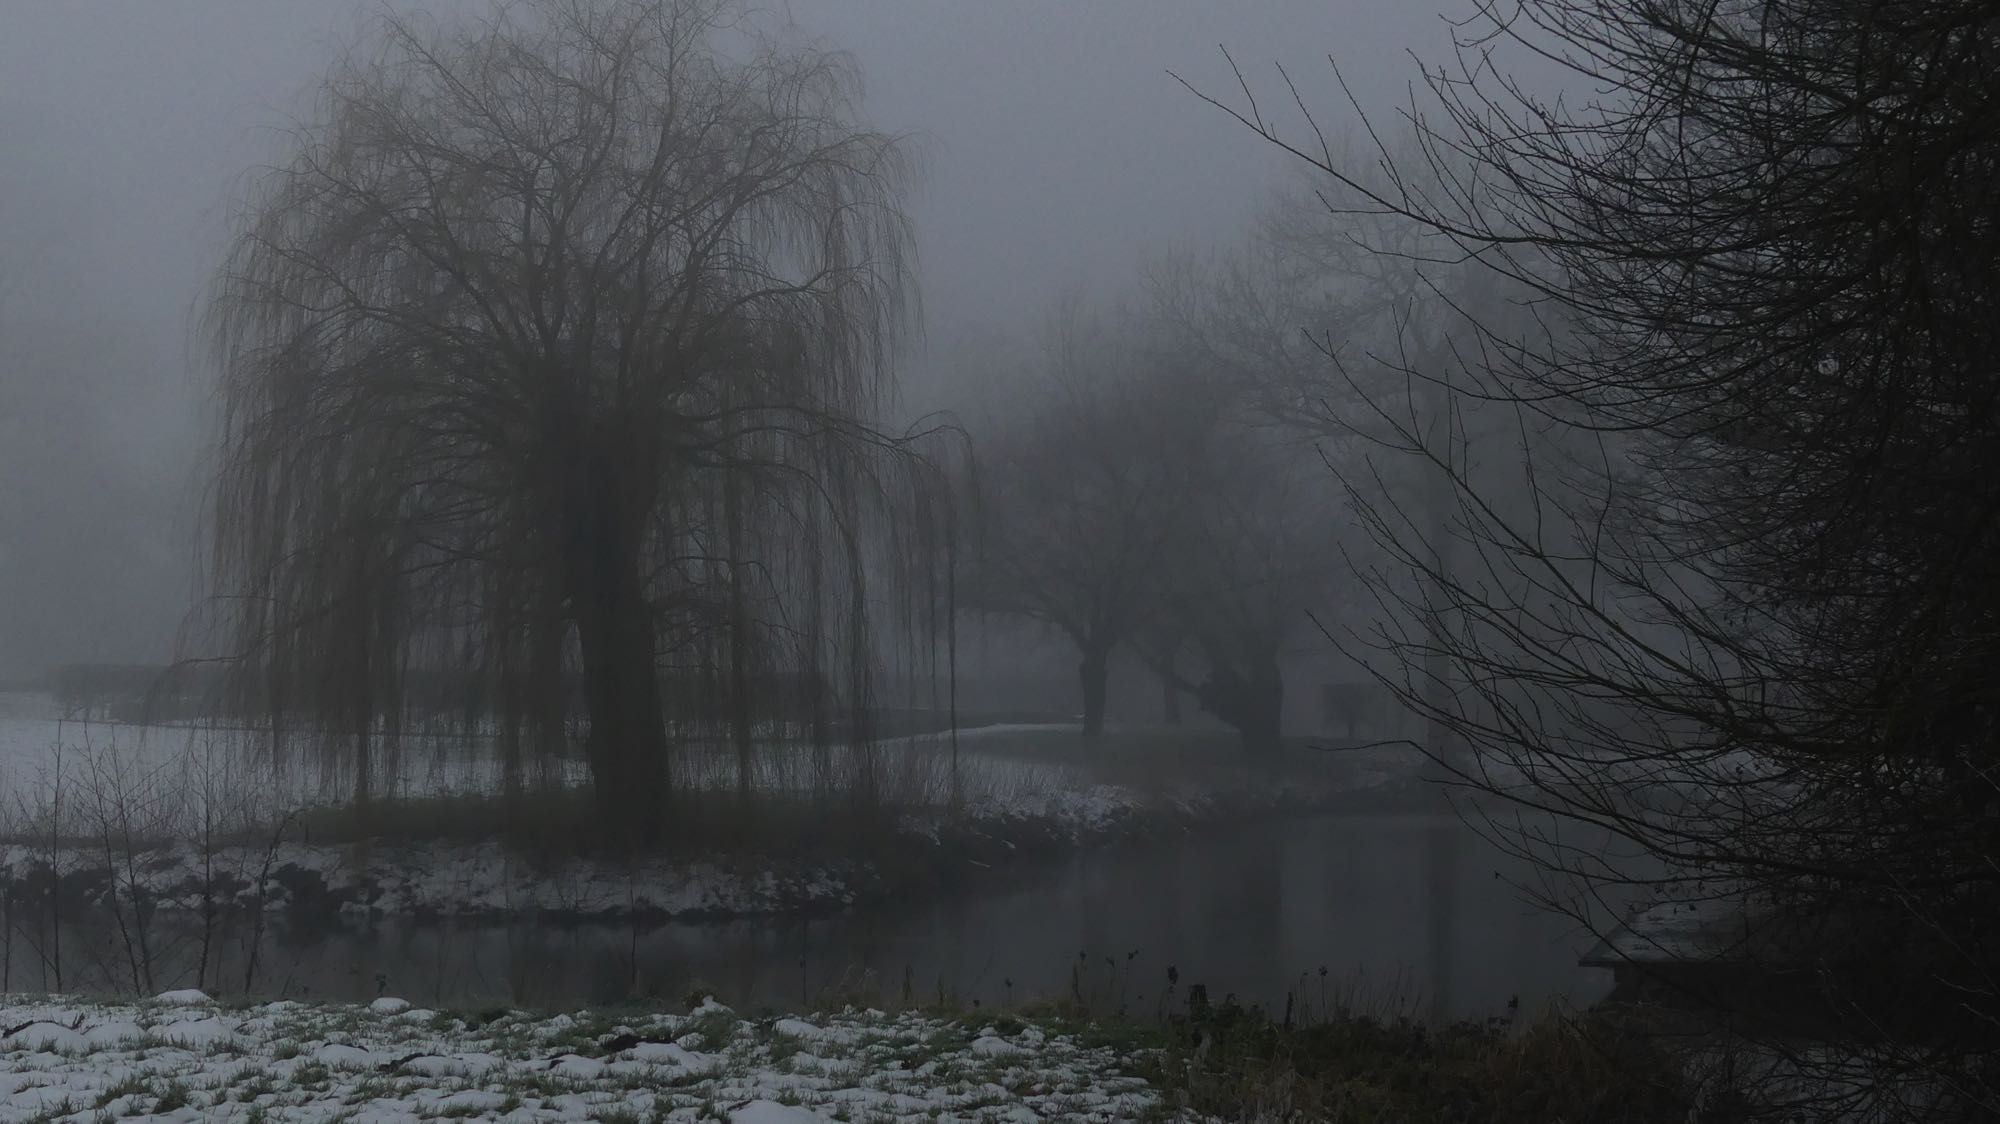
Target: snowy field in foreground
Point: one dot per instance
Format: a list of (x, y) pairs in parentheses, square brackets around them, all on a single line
[(181, 1057)]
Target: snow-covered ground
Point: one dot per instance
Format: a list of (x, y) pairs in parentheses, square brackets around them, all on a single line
[(180, 1057)]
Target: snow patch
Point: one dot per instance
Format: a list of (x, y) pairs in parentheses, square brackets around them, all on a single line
[(771, 1112), (470, 1100), (666, 1053), (996, 1048), (53, 1037), (577, 1067), (185, 997), (453, 1065), (114, 1033), (339, 1055), (196, 1032)]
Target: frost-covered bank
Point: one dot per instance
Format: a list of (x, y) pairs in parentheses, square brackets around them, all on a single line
[(425, 861), (181, 1057), (462, 879)]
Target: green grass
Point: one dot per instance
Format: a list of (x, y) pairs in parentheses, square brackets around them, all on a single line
[(258, 1086), (716, 1028), (57, 1111), (131, 1085), (312, 1075), (173, 1096)]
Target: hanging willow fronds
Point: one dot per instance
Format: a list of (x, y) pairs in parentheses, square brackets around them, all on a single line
[(551, 347)]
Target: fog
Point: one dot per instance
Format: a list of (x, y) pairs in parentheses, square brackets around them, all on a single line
[(1129, 533), (1058, 152)]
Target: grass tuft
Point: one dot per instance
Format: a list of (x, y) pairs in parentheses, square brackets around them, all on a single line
[(172, 1097)]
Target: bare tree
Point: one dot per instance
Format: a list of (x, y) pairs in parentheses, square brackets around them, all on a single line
[(1756, 638), (1253, 559), (543, 336), (1082, 489), (1286, 328)]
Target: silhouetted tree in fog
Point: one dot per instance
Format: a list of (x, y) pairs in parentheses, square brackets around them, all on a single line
[(558, 340), (1267, 324), (1127, 503), (1757, 637), (1245, 570), (1081, 489)]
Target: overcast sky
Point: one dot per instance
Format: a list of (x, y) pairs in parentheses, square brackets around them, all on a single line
[(1060, 152)]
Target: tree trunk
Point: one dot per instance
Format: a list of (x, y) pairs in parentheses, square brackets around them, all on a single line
[(547, 704), (275, 699), (508, 712), (1094, 673), (354, 619), (739, 644), (1254, 706), (627, 747)]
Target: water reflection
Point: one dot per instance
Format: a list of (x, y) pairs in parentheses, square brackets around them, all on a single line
[(1256, 914)]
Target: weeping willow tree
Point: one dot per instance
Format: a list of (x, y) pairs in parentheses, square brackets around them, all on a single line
[(554, 358)]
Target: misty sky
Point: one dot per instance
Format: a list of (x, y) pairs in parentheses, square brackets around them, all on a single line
[(1059, 153)]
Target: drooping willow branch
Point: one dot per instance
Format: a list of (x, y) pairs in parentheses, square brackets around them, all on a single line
[(550, 349)]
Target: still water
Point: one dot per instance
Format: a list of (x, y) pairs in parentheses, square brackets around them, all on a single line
[(1256, 913)]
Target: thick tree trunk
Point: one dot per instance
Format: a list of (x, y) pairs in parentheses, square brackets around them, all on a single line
[(628, 744), (1254, 706), (627, 747), (1094, 674)]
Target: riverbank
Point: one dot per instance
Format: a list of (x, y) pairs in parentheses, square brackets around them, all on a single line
[(1035, 793), (397, 875)]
